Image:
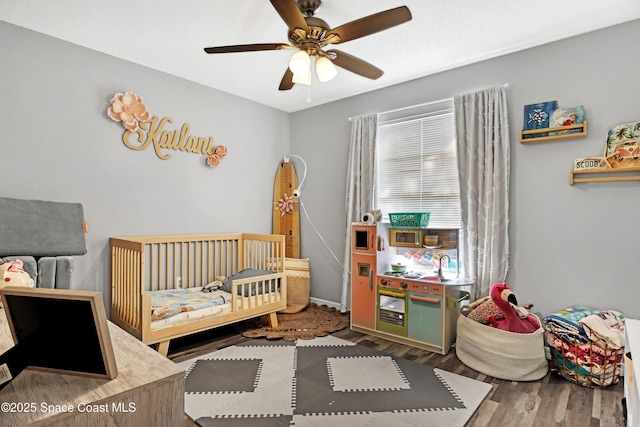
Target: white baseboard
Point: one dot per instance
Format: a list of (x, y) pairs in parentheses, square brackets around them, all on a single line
[(318, 301)]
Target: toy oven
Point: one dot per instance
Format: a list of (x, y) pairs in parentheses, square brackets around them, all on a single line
[(392, 311)]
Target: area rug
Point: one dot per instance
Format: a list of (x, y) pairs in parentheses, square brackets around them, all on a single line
[(323, 382), (313, 321)]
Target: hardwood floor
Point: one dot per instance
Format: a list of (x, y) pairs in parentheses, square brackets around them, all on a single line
[(551, 401)]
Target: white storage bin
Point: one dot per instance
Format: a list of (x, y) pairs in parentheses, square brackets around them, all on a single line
[(501, 354)]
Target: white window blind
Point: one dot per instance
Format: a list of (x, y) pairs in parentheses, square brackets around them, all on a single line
[(416, 163)]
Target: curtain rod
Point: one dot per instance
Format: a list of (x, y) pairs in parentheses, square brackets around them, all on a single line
[(420, 105)]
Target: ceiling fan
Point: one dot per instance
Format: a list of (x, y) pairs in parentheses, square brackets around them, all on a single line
[(309, 35)]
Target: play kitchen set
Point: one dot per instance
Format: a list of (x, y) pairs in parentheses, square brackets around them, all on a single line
[(405, 283)]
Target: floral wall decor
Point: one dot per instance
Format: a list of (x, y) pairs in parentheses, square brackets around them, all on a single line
[(143, 131), (285, 205)]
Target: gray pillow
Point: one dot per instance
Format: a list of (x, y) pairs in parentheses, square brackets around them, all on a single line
[(41, 228), (245, 274)]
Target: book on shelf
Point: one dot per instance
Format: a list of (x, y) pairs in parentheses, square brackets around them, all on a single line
[(537, 116)]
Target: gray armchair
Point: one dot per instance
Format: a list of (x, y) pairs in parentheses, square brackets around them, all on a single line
[(45, 236)]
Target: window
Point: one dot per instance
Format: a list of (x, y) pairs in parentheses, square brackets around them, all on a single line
[(417, 169)]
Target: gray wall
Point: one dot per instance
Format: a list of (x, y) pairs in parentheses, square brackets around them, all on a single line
[(569, 244), (59, 144)]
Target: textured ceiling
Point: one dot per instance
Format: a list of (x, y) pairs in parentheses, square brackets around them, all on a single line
[(170, 35)]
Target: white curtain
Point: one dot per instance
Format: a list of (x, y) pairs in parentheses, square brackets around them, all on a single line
[(482, 132), (361, 180)]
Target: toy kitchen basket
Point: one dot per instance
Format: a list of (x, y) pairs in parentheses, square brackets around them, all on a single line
[(409, 219)]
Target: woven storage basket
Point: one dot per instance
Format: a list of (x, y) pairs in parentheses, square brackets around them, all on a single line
[(298, 284), (604, 372), (501, 354)]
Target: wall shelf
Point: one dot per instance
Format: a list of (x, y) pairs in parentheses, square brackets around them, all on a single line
[(582, 127), (605, 175)]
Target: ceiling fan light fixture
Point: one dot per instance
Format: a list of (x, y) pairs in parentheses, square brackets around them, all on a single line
[(303, 79), (300, 63), (325, 69), (308, 36)]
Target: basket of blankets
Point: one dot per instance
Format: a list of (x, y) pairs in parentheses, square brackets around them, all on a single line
[(587, 345)]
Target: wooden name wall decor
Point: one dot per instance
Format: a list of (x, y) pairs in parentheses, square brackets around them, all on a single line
[(128, 108)]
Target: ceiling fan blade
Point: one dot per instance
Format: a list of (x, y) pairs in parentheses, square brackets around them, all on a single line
[(290, 14), (368, 25), (355, 65), (246, 47), (287, 80)]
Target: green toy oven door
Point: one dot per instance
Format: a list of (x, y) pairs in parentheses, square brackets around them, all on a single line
[(391, 312)]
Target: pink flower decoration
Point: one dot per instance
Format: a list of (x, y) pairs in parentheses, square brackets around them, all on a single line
[(128, 109), (213, 160), (221, 151), (285, 205)]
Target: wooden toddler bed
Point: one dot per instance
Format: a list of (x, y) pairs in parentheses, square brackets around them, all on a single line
[(157, 283)]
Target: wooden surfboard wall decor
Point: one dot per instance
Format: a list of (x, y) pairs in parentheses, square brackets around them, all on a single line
[(286, 210)]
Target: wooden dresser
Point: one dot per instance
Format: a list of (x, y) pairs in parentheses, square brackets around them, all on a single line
[(149, 390)]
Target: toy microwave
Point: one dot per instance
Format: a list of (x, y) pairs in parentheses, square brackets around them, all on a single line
[(406, 238)]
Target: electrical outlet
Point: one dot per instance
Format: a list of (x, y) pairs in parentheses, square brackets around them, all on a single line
[(179, 282)]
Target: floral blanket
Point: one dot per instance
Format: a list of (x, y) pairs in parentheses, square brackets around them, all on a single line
[(167, 303)]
